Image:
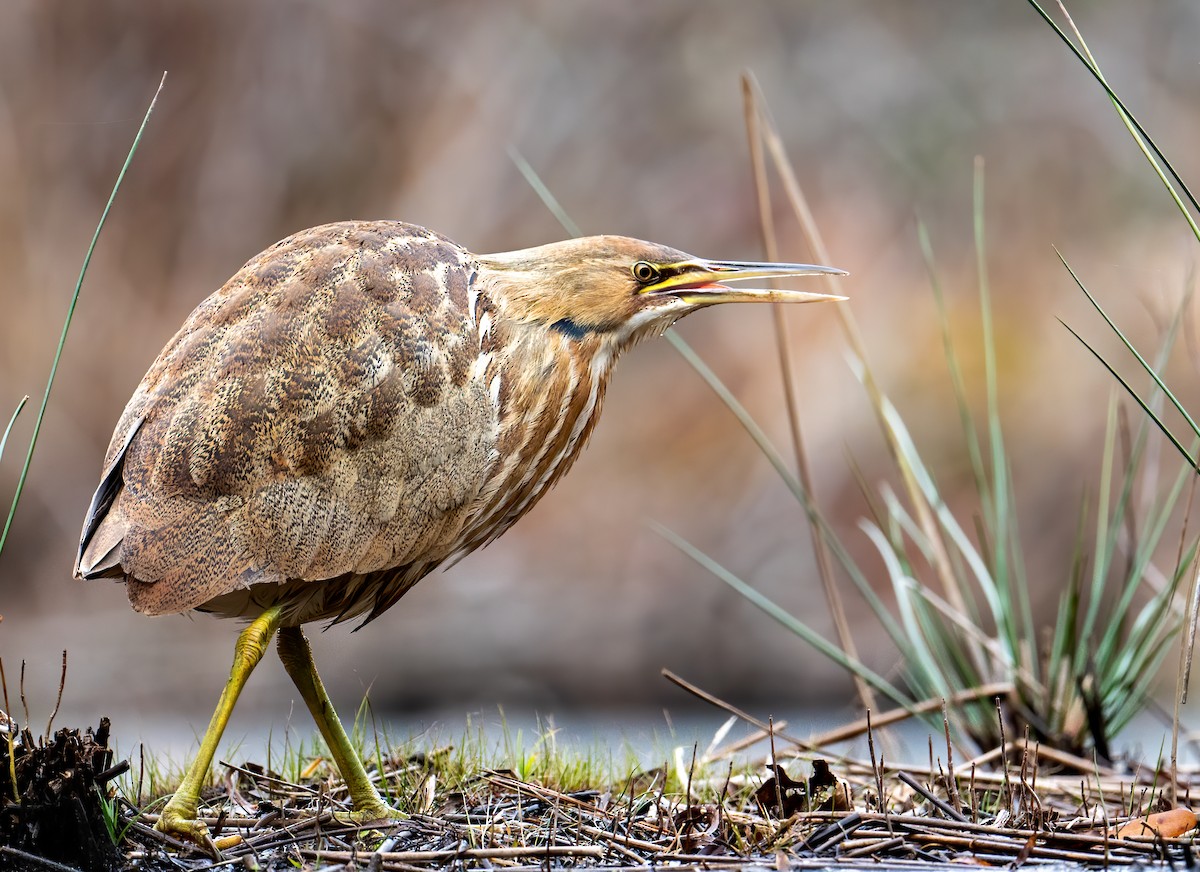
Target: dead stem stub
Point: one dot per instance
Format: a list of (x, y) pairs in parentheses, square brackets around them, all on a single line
[(56, 808)]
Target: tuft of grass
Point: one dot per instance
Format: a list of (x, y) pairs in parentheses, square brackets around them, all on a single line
[(1182, 196), (497, 796), (424, 771), (963, 616)]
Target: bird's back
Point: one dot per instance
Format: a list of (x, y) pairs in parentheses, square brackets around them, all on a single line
[(327, 416)]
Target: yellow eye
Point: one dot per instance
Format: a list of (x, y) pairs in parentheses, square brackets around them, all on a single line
[(646, 273)]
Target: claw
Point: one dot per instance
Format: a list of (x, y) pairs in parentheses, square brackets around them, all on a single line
[(373, 813), (183, 825)]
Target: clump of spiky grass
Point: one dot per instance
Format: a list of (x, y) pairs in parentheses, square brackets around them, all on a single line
[(1181, 195), (963, 616)]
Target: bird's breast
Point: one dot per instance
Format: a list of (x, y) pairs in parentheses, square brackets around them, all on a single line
[(549, 389)]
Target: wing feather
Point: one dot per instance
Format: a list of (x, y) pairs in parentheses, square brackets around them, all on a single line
[(314, 419)]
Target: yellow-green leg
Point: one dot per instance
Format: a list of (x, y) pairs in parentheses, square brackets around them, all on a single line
[(179, 816), (297, 659)]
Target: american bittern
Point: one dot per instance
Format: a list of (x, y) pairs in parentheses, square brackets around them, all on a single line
[(360, 403)]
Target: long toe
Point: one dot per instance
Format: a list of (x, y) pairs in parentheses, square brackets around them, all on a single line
[(186, 828), (372, 813)]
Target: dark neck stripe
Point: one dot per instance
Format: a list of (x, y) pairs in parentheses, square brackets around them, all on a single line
[(570, 329)]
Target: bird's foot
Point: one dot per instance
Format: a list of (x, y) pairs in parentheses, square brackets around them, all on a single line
[(179, 821), (377, 812)]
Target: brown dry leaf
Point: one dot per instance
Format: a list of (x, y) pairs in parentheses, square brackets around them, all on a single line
[(1025, 852), (823, 792), (1168, 824), (783, 788), (695, 827), (826, 791)]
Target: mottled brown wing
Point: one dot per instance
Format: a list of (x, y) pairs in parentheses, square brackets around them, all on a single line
[(320, 416)]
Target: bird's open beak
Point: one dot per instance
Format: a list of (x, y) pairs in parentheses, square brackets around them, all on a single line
[(702, 282)]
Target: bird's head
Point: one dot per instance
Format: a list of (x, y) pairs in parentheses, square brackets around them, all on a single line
[(624, 288)]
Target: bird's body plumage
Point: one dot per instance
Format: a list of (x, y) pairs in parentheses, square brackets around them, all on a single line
[(350, 409), (357, 405)]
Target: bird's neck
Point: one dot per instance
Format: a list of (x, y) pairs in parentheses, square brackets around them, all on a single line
[(551, 386)]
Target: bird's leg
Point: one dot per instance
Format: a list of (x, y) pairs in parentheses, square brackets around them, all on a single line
[(179, 816), (297, 658)]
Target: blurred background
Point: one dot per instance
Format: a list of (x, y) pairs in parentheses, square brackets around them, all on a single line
[(281, 115)]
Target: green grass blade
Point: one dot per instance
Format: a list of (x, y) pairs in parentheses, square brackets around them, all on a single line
[(1106, 540), (1144, 405), (966, 420), (1059, 667), (1179, 407), (999, 504), (789, 479), (1114, 643), (1018, 579), (901, 523), (1106, 552), (1127, 698), (907, 450), (543, 191), (767, 605), (999, 510), (922, 663), (11, 421), (1144, 140), (62, 339), (1153, 626)]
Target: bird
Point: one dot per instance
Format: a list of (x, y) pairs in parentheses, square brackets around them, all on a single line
[(361, 403)]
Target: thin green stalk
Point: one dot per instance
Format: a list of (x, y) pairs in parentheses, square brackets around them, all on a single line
[(1001, 521), (1058, 670), (1147, 145), (1133, 393), (11, 421), (966, 420), (62, 339), (1106, 540), (785, 474), (543, 191), (802, 630), (1153, 373)]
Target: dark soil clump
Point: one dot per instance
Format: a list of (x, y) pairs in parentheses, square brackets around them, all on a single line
[(55, 810)]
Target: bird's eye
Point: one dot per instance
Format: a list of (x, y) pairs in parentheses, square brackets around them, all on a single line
[(645, 272)]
